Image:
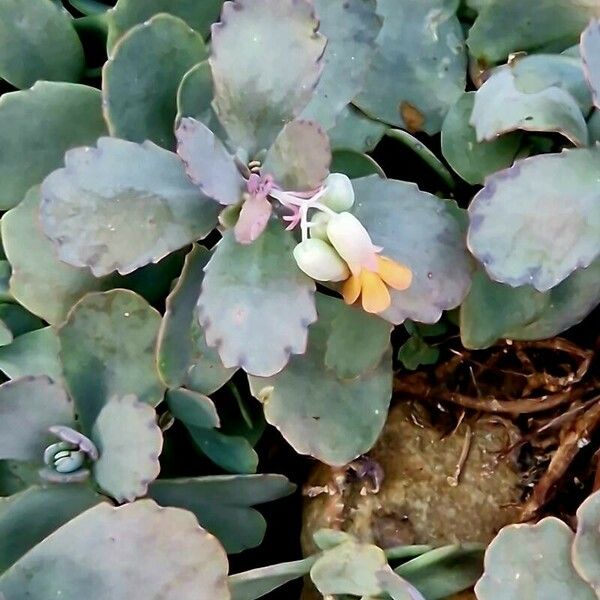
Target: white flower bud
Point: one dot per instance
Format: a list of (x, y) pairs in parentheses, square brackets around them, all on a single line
[(339, 194), (320, 261), (352, 242)]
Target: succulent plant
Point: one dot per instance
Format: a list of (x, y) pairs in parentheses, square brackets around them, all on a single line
[(545, 560), (190, 210), (346, 568)]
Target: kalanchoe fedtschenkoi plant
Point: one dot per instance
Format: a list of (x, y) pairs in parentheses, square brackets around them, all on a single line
[(117, 175), (254, 158)]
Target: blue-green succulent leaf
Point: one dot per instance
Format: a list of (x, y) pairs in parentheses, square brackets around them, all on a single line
[(538, 221), (223, 504), (590, 52), (184, 359), (542, 25), (199, 15), (444, 571), (471, 159), (300, 156), (418, 71), (207, 162), (426, 236), (38, 41), (129, 443), (532, 561), (40, 281), (256, 304), (260, 89), (256, 583), (500, 107), (318, 412), (350, 28), (28, 407), (29, 517), (122, 205), (33, 353), (136, 108), (139, 549), (353, 130), (108, 349), (37, 127)]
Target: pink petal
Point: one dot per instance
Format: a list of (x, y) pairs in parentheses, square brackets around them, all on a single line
[(253, 219)]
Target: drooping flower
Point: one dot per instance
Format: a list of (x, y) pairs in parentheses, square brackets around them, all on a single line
[(370, 273)]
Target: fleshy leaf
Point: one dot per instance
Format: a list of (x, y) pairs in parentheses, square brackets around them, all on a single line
[(538, 221), (350, 568), (318, 413), (416, 352), (566, 305), (354, 164), (39, 280), (18, 319), (256, 304), (121, 206), (586, 545), (127, 13), (590, 52), (107, 349), (426, 235), (28, 406), (353, 130), (444, 571), (357, 343), (537, 72), (260, 89), (471, 159), (184, 359), (232, 453), (207, 162), (164, 49), (500, 107), (38, 41), (544, 24), (129, 443), (300, 156), (494, 310), (33, 353), (27, 518), (194, 98), (192, 408), (37, 127), (422, 45), (136, 550), (533, 562), (350, 28), (256, 583), (222, 504)]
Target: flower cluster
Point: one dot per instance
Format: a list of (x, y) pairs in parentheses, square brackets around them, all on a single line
[(336, 247)]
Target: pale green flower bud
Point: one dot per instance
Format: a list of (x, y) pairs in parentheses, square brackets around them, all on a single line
[(339, 194), (320, 261), (318, 227)]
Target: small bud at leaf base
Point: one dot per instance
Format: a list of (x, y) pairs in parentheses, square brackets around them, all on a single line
[(339, 195), (320, 261)]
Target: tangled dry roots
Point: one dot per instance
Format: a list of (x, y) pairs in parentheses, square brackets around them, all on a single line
[(549, 389)]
